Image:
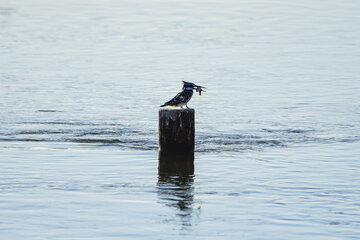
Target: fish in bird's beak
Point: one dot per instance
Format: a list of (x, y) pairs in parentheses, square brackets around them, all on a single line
[(199, 89)]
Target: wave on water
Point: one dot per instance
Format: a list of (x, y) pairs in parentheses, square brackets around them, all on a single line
[(127, 137)]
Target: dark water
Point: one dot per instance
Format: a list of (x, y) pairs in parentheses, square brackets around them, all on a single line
[(277, 132)]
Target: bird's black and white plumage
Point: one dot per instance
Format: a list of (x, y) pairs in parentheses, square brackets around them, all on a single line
[(183, 97)]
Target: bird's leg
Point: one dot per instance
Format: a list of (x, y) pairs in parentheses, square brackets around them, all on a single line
[(187, 106)]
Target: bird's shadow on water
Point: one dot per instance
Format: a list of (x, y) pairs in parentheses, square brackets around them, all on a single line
[(175, 185)]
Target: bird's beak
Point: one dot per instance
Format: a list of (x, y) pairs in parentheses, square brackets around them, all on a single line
[(199, 89)]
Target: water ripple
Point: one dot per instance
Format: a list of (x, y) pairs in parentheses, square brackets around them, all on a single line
[(119, 135)]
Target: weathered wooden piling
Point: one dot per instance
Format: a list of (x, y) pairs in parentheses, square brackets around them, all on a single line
[(176, 130)]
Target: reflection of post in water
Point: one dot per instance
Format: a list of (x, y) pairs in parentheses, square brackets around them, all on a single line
[(175, 163), (175, 183)]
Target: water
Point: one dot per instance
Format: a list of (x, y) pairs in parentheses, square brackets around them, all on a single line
[(277, 132)]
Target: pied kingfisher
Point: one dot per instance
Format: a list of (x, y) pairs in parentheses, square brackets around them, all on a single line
[(183, 97)]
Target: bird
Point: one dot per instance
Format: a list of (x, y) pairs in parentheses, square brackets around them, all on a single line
[(183, 97)]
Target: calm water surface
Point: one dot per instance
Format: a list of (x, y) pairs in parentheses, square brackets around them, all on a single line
[(277, 132)]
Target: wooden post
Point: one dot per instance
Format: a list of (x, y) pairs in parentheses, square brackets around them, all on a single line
[(176, 130)]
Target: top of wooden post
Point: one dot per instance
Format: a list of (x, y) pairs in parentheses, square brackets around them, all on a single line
[(177, 109)]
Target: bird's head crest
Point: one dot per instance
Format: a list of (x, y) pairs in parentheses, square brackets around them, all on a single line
[(189, 85)]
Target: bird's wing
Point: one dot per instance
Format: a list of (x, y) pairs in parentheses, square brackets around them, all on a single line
[(177, 99)]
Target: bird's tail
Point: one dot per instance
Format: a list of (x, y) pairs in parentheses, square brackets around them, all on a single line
[(163, 105)]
